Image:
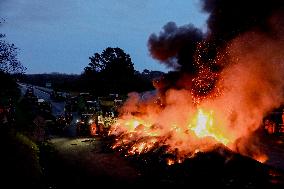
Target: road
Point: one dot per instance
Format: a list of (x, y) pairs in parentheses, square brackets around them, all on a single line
[(83, 163), (43, 93), (57, 107)]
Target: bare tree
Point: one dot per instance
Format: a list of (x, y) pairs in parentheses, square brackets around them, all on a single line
[(9, 62)]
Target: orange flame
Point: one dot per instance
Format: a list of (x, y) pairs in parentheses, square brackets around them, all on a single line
[(180, 127), (170, 161), (93, 129), (262, 158), (204, 126), (140, 136)]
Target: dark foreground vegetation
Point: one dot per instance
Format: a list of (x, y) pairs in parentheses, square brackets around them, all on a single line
[(19, 152)]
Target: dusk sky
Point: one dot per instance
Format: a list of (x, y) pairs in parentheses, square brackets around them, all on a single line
[(61, 35)]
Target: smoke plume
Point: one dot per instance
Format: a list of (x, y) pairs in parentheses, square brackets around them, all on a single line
[(233, 73), (175, 46)]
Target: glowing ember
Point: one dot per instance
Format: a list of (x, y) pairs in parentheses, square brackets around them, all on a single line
[(142, 147), (262, 158), (170, 162)]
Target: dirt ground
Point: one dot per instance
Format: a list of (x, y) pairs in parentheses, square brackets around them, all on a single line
[(83, 162), (80, 163)]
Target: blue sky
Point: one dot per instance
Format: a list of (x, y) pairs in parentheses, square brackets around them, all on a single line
[(61, 35)]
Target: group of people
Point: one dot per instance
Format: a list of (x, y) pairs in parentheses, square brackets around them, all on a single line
[(102, 123)]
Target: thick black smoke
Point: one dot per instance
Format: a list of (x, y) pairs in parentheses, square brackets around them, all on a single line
[(175, 46), (229, 19), (180, 47)]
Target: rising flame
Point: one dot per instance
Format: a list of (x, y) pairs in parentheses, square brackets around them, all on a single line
[(201, 132)]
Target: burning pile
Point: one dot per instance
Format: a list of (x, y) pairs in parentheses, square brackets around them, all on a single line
[(224, 82)]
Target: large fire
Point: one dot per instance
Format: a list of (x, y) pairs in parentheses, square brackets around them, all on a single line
[(223, 101), (201, 131)]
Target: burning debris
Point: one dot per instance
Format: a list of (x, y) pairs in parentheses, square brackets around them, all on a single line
[(224, 82)]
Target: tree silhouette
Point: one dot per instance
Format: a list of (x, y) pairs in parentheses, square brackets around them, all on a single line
[(111, 61), (112, 71), (8, 57)]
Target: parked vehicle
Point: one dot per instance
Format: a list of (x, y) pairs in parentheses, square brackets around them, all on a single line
[(86, 125), (92, 106)]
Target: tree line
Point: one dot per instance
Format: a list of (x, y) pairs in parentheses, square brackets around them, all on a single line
[(111, 71)]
